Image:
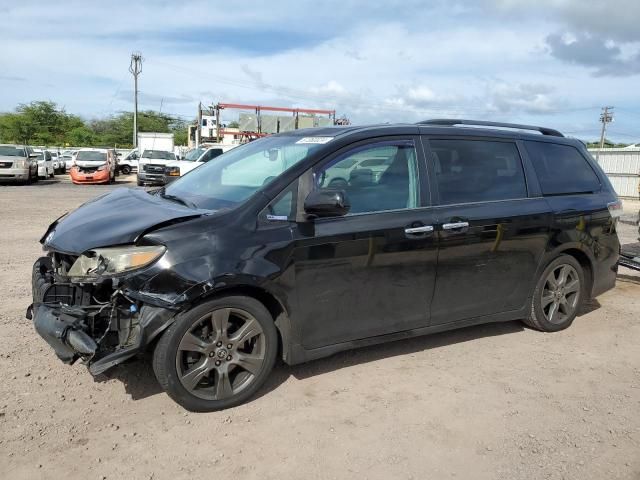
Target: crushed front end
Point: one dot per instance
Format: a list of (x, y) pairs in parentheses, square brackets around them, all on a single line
[(94, 320)]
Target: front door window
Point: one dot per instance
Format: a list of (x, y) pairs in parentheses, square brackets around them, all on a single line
[(376, 177)]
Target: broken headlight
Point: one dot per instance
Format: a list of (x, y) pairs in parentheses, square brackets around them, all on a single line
[(114, 260)]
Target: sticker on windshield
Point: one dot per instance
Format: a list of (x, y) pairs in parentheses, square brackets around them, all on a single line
[(315, 140)]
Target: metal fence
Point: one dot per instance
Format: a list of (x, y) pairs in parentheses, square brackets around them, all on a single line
[(622, 166)]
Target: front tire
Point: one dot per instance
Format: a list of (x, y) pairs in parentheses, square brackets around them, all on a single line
[(126, 169), (218, 354), (558, 296)]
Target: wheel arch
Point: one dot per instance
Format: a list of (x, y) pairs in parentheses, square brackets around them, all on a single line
[(583, 257), (271, 302)]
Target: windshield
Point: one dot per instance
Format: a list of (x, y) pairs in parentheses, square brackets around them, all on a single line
[(193, 155), (240, 172), (9, 151), (158, 155), (92, 156)]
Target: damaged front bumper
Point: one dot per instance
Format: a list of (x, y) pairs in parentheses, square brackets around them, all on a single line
[(95, 322)]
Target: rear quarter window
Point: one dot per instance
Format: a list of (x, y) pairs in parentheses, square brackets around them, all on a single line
[(561, 169)]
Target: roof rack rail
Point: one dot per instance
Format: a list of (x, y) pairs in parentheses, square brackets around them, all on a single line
[(451, 122)]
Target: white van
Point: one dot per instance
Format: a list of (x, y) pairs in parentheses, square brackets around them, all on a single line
[(129, 162), (193, 159)]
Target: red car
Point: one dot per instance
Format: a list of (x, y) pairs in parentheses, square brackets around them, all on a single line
[(94, 165)]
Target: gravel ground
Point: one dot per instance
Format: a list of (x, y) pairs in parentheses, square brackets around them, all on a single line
[(489, 402)]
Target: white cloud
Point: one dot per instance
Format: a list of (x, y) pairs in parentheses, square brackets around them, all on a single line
[(396, 61)]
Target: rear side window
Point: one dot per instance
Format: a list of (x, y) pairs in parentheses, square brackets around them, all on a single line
[(561, 169), (477, 171)]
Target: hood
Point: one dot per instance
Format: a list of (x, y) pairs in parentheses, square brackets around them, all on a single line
[(99, 163), (117, 218), (10, 158), (176, 163)]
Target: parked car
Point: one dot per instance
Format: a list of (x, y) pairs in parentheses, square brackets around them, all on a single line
[(151, 166), (66, 159), (18, 163), (45, 163), (94, 165), (129, 162), (257, 256), (193, 159), (58, 165)]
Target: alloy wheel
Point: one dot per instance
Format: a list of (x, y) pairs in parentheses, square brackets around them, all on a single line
[(221, 354), (560, 294)]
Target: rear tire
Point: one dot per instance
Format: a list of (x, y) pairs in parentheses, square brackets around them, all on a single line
[(218, 354), (126, 169), (558, 295)]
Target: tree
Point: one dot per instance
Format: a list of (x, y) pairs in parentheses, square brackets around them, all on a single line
[(81, 136), (15, 128), (41, 123)]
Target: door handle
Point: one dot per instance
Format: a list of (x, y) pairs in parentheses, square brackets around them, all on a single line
[(421, 229), (455, 225)]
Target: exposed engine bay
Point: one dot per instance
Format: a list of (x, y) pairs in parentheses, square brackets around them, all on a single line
[(92, 321)]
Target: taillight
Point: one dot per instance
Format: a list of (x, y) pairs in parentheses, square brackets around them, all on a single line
[(615, 209)]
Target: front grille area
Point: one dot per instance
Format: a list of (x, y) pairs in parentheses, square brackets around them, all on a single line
[(88, 169), (6, 164), (151, 168)]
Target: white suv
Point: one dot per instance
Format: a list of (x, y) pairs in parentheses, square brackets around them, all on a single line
[(193, 159), (18, 163), (45, 163)]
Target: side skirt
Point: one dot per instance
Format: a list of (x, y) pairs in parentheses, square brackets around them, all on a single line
[(298, 354)]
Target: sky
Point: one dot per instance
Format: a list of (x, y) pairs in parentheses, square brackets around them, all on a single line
[(550, 62)]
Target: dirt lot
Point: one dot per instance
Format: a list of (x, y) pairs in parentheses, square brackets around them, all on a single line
[(490, 402)]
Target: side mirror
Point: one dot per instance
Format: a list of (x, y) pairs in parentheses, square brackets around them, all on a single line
[(327, 203)]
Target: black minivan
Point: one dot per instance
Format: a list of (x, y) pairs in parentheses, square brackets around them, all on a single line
[(303, 244)]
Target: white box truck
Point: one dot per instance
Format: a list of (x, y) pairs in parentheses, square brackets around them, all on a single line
[(155, 141), (156, 151)]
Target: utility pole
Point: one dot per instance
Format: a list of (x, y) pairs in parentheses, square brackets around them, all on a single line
[(605, 117), (135, 67), (199, 124)]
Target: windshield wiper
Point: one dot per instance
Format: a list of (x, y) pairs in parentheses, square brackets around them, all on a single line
[(177, 199)]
